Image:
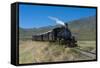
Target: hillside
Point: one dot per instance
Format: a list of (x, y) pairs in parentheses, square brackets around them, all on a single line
[(83, 29)]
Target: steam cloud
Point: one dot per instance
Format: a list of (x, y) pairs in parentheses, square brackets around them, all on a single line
[(57, 20)]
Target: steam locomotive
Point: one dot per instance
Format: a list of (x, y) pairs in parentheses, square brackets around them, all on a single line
[(60, 34)]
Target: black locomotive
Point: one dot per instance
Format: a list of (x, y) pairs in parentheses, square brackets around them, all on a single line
[(60, 34)]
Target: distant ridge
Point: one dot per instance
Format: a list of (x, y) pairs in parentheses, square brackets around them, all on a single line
[(83, 29)]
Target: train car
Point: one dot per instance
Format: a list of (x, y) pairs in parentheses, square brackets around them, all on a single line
[(37, 38), (51, 36)]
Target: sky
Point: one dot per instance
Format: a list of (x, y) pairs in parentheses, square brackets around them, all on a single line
[(35, 16)]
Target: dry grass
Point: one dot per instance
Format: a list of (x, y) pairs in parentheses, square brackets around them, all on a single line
[(88, 45), (37, 52)]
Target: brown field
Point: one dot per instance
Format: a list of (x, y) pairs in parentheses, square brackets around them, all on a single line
[(38, 51)]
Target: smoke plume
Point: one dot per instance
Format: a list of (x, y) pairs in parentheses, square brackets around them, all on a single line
[(57, 20)]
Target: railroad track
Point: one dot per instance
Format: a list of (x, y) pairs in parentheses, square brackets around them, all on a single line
[(86, 53)]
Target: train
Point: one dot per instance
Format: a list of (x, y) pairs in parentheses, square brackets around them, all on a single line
[(58, 34)]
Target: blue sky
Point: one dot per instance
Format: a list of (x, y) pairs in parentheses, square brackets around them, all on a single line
[(34, 16)]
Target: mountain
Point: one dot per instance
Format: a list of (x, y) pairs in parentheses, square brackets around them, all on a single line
[(82, 29), (27, 33), (85, 28)]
